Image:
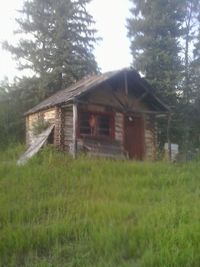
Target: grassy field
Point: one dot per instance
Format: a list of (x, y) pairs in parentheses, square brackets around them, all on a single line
[(58, 212)]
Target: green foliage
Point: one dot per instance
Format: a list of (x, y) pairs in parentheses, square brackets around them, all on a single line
[(55, 211), (195, 66), (40, 125), (190, 24), (153, 29), (58, 42), (162, 35), (16, 99), (195, 77)]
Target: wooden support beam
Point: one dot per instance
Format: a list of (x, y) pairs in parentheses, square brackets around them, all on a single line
[(75, 127), (126, 82), (139, 99), (124, 110), (168, 137)]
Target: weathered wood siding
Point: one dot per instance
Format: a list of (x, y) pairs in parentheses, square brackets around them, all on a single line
[(119, 127), (101, 100), (150, 138), (58, 128), (107, 97), (48, 115), (67, 134)]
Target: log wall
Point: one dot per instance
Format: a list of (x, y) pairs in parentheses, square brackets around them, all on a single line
[(67, 127), (58, 128), (119, 127), (100, 101)]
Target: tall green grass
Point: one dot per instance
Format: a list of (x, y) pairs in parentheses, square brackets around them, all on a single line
[(55, 211)]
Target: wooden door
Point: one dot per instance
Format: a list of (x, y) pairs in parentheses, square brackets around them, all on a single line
[(134, 137)]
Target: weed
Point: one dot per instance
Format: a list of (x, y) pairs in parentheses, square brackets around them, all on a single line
[(55, 211)]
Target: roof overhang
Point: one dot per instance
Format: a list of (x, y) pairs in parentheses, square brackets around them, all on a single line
[(86, 85)]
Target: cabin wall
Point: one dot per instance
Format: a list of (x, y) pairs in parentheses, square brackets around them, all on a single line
[(150, 133), (48, 115), (118, 119), (150, 138), (63, 132), (67, 129), (101, 100), (106, 99), (119, 127), (58, 128), (96, 146)]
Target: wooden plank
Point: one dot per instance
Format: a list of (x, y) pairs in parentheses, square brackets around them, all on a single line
[(38, 143), (75, 123)]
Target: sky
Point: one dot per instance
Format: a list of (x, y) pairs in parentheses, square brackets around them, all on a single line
[(110, 15)]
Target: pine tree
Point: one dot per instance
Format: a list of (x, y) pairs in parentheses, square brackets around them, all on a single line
[(191, 10), (154, 29), (195, 66), (193, 117), (57, 42), (186, 109)]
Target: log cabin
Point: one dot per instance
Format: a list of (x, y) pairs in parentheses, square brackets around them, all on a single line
[(111, 115)]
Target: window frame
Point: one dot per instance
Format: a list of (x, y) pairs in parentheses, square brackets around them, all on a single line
[(97, 136)]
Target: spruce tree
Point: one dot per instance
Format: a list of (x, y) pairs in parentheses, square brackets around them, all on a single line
[(162, 35), (194, 86), (189, 132), (154, 28), (57, 41), (195, 67), (189, 29)]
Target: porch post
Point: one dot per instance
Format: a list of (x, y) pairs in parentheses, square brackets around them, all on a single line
[(75, 123), (168, 137), (126, 82)]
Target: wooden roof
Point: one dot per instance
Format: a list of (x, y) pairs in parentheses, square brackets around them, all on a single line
[(89, 83)]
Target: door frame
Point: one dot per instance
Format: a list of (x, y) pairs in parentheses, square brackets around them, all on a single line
[(142, 129)]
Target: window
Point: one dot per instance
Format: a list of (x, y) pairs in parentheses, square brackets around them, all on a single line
[(96, 124)]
